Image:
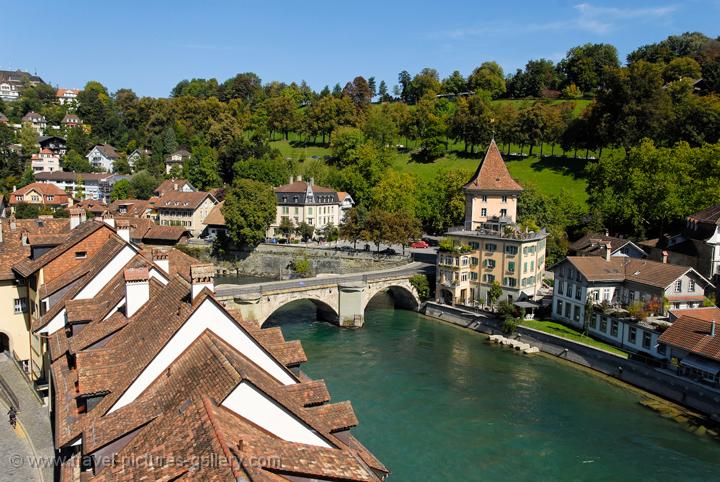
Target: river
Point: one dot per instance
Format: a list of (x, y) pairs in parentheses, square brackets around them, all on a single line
[(438, 403)]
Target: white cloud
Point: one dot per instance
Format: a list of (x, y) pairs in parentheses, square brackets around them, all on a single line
[(587, 18)]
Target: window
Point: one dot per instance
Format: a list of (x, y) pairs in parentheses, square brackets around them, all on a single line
[(503, 199), (285, 210), (464, 261), (463, 277), (50, 198), (489, 263), (578, 292), (525, 267), (474, 245), (606, 294), (511, 249), (511, 266), (632, 334), (576, 313), (646, 340), (490, 247), (503, 212), (603, 325), (532, 265), (489, 278), (483, 212), (511, 282), (596, 295), (614, 328), (559, 307), (20, 305), (678, 286), (474, 261), (80, 254), (567, 310), (484, 198), (592, 322), (691, 285), (473, 276), (561, 287)]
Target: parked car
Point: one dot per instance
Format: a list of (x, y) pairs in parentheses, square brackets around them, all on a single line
[(420, 244), (388, 251)]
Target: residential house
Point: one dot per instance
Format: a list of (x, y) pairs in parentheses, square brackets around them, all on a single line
[(40, 193), (594, 244), (103, 156), (15, 236), (45, 161), (185, 209), (223, 379), (57, 144), (693, 344), (144, 231), (176, 159), (13, 82), (302, 201), (95, 207), (137, 155), (170, 185), (36, 121), (698, 245), (70, 120), (95, 186), (491, 248), (215, 221), (136, 208), (628, 298), (67, 96)]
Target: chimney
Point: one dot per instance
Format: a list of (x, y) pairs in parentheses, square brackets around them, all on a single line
[(665, 257), (608, 251), (13, 223), (1, 232), (312, 181), (160, 258), (607, 232), (137, 289), (202, 276), (175, 186), (122, 228), (299, 178), (77, 217), (24, 238), (108, 219), (712, 328), (291, 179)]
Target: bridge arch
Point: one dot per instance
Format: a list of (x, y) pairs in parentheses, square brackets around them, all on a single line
[(323, 310), (402, 292)]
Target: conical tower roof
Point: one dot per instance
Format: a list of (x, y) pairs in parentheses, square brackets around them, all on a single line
[(492, 174)]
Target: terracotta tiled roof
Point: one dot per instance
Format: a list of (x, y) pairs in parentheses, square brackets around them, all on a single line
[(694, 335), (301, 187), (651, 273), (708, 313), (593, 244), (44, 188), (135, 207), (216, 217), (107, 150), (169, 185), (29, 266), (12, 248), (182, 200), (492, 174)]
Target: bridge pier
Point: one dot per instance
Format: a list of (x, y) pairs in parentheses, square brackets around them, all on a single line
[(351, 304)]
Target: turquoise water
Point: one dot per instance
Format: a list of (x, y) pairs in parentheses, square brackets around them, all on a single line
[(437, 403)]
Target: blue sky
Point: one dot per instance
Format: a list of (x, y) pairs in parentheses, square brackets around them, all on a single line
[(150, 45)]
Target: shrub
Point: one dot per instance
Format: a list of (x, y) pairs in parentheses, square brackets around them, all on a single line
[(422, 285), (302, 267), (505, 308), (637, 310), (446, 245), (510, 325)]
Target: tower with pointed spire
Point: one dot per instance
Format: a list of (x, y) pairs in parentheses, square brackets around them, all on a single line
[(492, 193), (491, 248)]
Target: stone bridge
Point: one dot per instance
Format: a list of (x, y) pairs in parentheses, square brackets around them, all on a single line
[(338, 299)]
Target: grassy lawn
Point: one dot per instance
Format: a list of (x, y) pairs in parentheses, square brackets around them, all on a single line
[(563, 331), (554, 175)]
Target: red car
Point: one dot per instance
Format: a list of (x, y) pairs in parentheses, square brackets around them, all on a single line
[(419, 244)]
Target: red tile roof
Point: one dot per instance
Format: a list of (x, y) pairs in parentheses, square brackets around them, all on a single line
[(301, 187), (216, 217), (492, 174), (693, 334), (182, 200), (44, 189)]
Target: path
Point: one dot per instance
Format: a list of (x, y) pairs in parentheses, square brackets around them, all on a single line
[(34, 420)]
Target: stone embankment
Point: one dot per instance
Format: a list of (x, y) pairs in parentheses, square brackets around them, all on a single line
[(515, 344)]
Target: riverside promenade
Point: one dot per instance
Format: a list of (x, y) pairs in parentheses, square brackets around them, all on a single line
[(31, 440)]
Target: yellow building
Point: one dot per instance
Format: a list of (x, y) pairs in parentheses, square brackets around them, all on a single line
[(491, 247)]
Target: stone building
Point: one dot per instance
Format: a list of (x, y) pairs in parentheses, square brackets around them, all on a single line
[(491, 247)]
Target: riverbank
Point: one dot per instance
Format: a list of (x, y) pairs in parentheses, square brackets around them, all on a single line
[(689, 402)]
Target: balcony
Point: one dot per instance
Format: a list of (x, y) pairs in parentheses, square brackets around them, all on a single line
[(510, 232)]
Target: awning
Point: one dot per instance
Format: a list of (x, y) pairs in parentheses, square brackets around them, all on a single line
[(703, 364), (526, 304)]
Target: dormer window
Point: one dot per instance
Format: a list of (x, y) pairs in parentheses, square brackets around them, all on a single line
[(80, 254)]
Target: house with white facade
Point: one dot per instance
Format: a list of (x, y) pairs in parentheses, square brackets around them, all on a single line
[(36, 121), (67, 96), (45, 161), (137, 155), (12, 83), (176, 159), (624, 301), (103, 156), (95, 186)]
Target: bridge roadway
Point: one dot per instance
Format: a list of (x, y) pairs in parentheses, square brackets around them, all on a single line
[(338, 298)]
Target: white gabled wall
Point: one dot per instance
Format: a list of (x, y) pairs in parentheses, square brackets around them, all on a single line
[(55, 324), (158, 276), (208, 316), (252, 404), (106, 274)]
